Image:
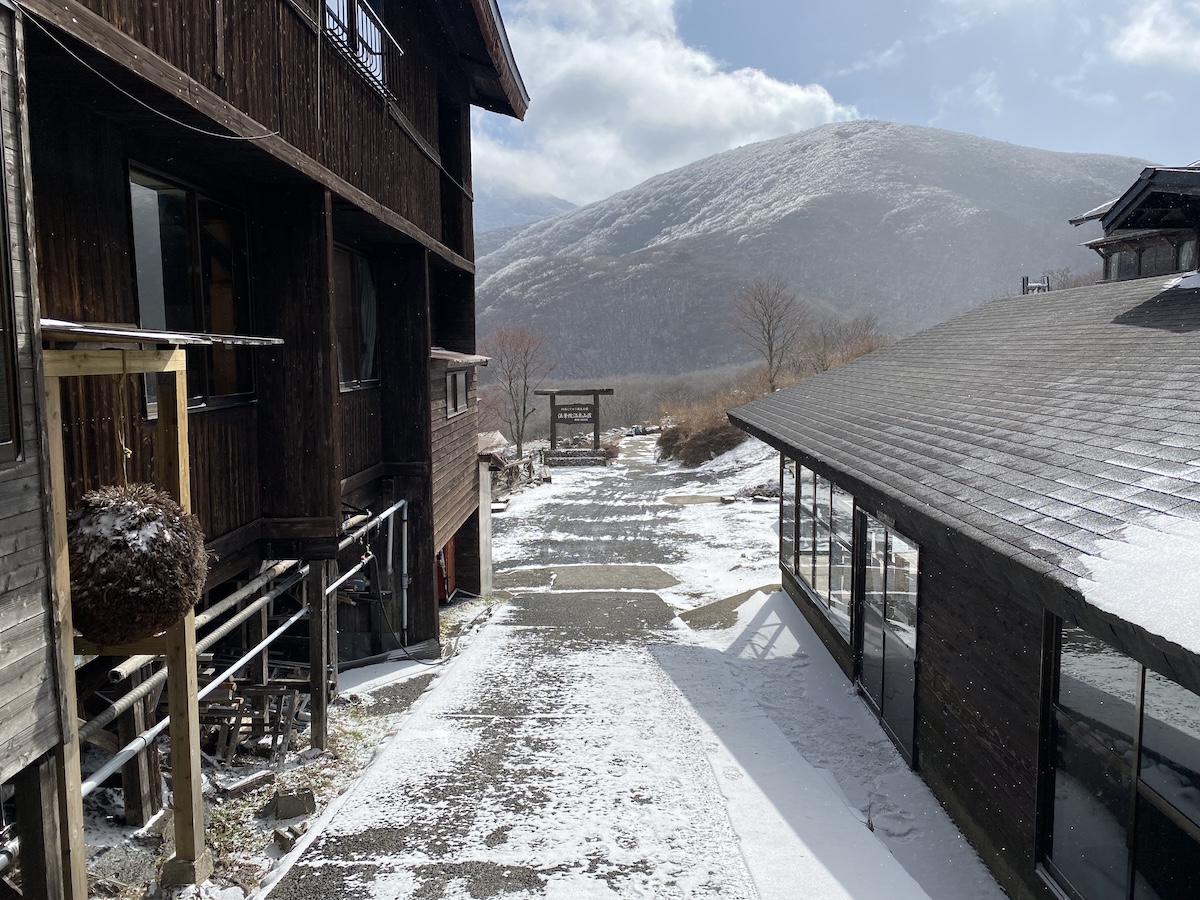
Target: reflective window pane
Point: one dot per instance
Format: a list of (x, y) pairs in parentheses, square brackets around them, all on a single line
[(820, 582), (787, 515), (1091, 817), (899, 687), (901, 611), (1098, 688), (824, 500), (841, 573), (1167, 861), (1170, 761), (874, 583), (805, 525)]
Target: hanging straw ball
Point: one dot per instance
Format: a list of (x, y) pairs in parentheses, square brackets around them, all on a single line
[(138, 563)]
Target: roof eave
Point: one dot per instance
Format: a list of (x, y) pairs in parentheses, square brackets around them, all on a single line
[(507, 95)]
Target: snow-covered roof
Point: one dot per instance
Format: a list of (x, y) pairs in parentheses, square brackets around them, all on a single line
[(1053, 428)]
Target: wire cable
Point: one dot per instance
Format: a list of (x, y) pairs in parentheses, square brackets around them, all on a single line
[(138, 100)]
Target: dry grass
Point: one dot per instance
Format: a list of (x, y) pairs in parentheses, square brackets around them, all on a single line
[(700, 429)]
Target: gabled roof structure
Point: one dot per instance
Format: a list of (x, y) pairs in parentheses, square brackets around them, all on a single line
[(1037, 425)]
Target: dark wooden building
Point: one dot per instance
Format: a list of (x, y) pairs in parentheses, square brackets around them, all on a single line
[(295, 169), (992, 524)]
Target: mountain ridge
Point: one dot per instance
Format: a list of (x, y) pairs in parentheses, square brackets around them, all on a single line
[(910, 224)]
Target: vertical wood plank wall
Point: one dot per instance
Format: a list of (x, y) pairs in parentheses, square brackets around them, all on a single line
[(271, 72), (360, 426), (455, 460), (299, 443), (29, 721)]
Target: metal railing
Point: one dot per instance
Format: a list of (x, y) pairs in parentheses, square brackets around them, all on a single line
[(358, 31)]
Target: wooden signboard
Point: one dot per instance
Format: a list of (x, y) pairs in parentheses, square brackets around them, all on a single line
[(575, 414)]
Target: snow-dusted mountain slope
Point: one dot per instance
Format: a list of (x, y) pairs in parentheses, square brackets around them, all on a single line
[(911, 224), (500, 207)]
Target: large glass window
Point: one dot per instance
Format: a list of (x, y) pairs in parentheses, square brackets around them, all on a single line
[(1158, 259), (357, 318), (193, 275), (1125, 820), (787, 514), (837, 548)]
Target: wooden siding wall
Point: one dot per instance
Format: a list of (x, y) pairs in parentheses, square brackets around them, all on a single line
[(402, 282), (298, 382), (86, 273), (29, 719), (455, 460), (276, 69), (979, 699), (360, 427)]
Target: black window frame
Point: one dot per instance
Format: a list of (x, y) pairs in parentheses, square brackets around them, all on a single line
[(201, 383), (348, 326), (458, 403), (1057, 719)]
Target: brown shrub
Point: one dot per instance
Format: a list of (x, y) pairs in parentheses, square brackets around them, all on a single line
[(707, 443)]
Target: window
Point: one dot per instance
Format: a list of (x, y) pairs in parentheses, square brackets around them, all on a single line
[(456, 392), (787, 514), (1120, 265), (192, 275), (1158, 259), (888, 645), (824, 536), (1125, 770), (356, 311), (356, 28), (862, 575), (1187, 255)]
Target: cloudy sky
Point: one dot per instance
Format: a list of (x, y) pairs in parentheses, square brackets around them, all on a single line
[(625, 89)]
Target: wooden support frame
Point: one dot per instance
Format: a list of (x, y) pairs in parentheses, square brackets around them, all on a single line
[(192, 862), (318, 653)]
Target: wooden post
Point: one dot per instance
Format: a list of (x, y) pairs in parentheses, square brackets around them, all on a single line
[(38, 826), (71, 848), (192, 862), (318, 654), (553, 424), (595, 421)]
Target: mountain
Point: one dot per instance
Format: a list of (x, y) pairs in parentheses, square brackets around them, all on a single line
[(913, 225), (501, 207)]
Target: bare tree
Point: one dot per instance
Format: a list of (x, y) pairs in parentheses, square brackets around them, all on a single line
[(772, 319), (832, 341), (1062, 278), (520, 364)]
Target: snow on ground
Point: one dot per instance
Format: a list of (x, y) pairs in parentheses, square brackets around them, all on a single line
[(775, 656), (718, 550), (714, 549)]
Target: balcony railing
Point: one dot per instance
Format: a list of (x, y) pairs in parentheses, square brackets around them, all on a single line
[(359, 33)]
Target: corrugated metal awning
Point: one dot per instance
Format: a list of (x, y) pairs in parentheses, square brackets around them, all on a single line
[(97, 332), (454, 358)]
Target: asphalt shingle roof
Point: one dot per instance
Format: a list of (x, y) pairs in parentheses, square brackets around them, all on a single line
[(1036, 424)]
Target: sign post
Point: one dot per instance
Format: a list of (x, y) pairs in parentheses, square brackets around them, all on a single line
[(578, 413)]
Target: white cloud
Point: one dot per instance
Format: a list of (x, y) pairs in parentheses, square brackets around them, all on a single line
[(1161, 32), (882, 59), (982, 89), (617, 97)]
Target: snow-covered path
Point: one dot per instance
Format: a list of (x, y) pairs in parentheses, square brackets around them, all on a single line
[(589, 744)]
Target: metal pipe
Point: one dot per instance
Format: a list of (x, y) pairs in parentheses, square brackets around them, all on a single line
[(9, 853), (126, 702), (350, 573), (390, 540), (404, 576), (357, 535), (122, 671), (142, 741)]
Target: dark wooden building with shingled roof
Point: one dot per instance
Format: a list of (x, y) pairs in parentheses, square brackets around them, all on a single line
[(214, 175), (994, 526)]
